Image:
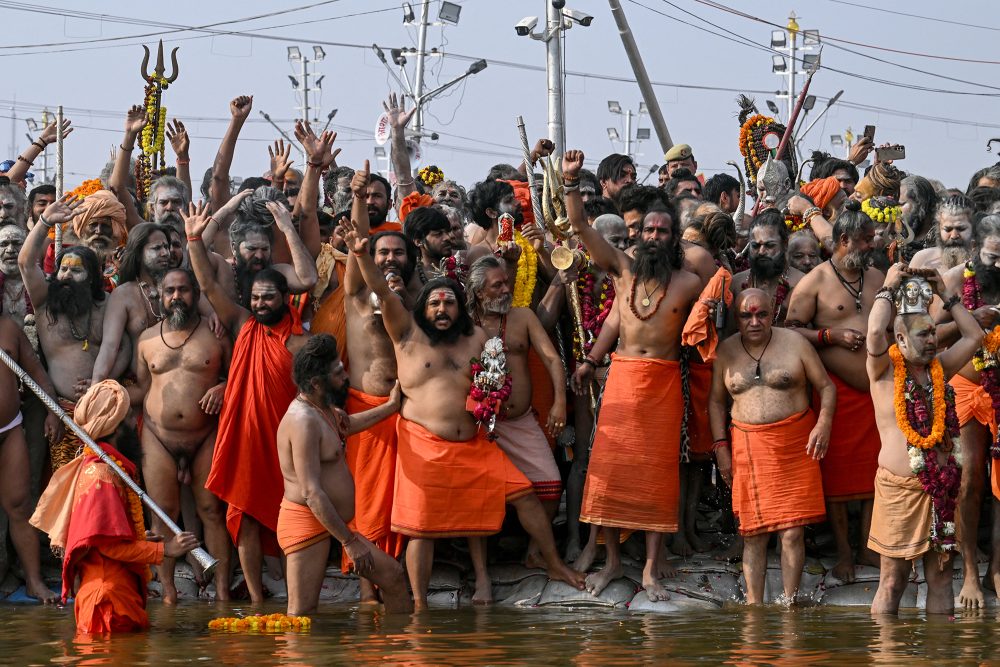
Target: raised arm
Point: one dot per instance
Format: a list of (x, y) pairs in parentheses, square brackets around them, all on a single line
[(29, 259), (302, 277), (604, 254), (181, 144), (36, 148), (397, 319), (959, 354), (281, 161), (880, 322), (230, 314), (319, 157), (239, 110), (135, 121), (354, 282), (543, 148), (395, 109)]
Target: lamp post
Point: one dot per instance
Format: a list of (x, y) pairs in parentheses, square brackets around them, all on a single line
[(641, 133), (296, 56), (787, 41)]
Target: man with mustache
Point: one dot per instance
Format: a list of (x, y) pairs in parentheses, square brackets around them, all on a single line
[(100, 225), (13, 204), (518, 433), (769, 268), (252, 244), (319, 497), (371, 454), (134, 305), (70, 307), (16, 302), (830, 307), (633, 480), (451, 480), (975, 385), (953, 217), (919, 203), (181, 369), (430, 230), (245, 471)]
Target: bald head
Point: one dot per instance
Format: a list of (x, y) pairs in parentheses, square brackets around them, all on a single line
[(754, 314), (753, 295)]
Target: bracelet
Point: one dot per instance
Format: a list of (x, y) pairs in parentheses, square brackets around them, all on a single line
[(885, 289), (38, 143), (45, 222), (887, 296), (719, 444), (21, 158), (353, 538), (316, 165), (127, 150), (571, 181), (952, 302), (194, 238), (182, 161), (572, 188), (405, 183), (588, 360), (826, 337), (810, 213), (819, 336), (880, 354)]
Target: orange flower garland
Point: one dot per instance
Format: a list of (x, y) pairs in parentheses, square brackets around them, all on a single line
[(913, 438), (88, 187), (527, 272), (262, 623)]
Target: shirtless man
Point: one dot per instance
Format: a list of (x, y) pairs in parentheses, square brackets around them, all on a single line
[(777, 439), (518, 433), (636, 452), (901, 528), (372, 375), (830, 306), (953, 217), (15, 475), (433, 346), (181, 369), (69, 313), (15, 297), (134, 305), (769, 268), (803, 251), (319, 490)]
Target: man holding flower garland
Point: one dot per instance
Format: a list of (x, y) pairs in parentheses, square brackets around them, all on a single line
[(918, 478)]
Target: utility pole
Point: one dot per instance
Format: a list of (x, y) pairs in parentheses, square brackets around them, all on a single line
[(418, 77), (45, 152), (793, 30), (553, 70), (787, 41), (295, 55)]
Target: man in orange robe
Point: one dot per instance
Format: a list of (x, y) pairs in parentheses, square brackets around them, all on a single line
[(92, 516), (245, 472)]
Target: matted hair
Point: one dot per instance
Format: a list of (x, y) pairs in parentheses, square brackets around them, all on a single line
[(313, 360), (130, 264)]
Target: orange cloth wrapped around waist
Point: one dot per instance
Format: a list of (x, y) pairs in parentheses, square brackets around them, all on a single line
[(542, 393), (699, 329), (330, 317), (633, 480), (901, 517), (112, 595), (371, 458), (699, 430), (298, 527), (451, 489), (972, 402), (776, 484), (852, 459)]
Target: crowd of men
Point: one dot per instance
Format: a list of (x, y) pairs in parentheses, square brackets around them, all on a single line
[(285, 367)]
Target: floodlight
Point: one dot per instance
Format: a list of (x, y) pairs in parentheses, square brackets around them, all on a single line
[(836, 140), (778, 64), (295, 82), (778, 39), (810, 60), (613, 134), (772, 106), (477, 66), (809, 102), (408, 16), (642, 134), (318, 53), (810, 37), (642, 108), (379, 151), (319, 80), (450, 12), (614, 107), (294, 53)]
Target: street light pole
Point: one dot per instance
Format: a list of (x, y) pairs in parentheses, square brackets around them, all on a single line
[(418, 83), (305, 89), (553, 70), (793, 29), (628, 132)]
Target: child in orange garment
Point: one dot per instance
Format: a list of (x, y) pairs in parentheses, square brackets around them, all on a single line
[(92, 516)]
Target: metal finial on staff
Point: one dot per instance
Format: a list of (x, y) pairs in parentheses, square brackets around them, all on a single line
[(60, 182), (204, 558), (529, 169)]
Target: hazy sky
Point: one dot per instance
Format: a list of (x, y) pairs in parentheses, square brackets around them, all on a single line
[(98, 80)]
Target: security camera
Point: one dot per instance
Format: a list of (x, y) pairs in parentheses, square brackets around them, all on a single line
[(526, 25), (579, 17)]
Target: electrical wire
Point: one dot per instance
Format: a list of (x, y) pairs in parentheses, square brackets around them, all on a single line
[(896, 12)]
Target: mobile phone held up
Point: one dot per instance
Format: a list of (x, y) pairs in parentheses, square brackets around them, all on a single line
[(890, 153), (870, 133)]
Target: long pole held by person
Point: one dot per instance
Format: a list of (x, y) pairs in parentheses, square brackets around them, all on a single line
[(60, 176), (204, 558)]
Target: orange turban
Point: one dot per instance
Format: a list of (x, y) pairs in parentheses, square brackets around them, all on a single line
[(523, 193), (822, 190), (412, 201), (102, 409), (101, 204)]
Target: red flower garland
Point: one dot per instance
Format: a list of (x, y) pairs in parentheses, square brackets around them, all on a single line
[(972, 298), (594, 315)]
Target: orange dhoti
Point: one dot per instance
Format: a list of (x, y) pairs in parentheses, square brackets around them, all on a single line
[(542, 393), (973, 402), (523, 441), (852, 459), (298, 527), (901, 517), (776, 484), (451, 489), (371, 458), (112, 595), (633, 480), (699, 431)]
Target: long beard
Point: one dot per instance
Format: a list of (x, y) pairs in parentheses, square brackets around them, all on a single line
[(497, 306), (244, 277), (765, 268), (69, 298), (376, 217), (179, 314), (270, 318), (952, 256), (856, 261), (654, 260), (437, 336), (334, 396), (173, 219)]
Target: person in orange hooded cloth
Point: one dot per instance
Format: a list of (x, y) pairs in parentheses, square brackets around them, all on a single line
[(827, 195), (245, 472), (96, 520)]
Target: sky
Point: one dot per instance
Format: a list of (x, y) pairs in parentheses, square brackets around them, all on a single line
[(918, 88)]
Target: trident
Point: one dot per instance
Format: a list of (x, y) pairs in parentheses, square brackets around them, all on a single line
[(160, 68)]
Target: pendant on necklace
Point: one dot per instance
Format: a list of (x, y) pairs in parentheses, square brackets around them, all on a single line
[(857, 303), (86, 345), (645, 301), (756, 375)]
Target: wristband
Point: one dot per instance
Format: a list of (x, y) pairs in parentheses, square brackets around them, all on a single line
[(952, 302), (45, 222), (352, 539), (826, 337), (719, 444), (127, 150), (317, 165), (811, 212), (21, 158), (591, 362), (194, 238), (38, 143), (819, 336), (182, 161), (572, 188)]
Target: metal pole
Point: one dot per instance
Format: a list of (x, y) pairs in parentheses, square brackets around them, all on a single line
[(792, 32), (45, 151), (282, 132), (60, 181), (529, 169), (305, 89), (802, 135), (628, 132), (639, 69), (553, 69), (204, 558), (418, 90)]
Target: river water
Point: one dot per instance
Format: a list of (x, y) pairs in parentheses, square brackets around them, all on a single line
[(347, 634)]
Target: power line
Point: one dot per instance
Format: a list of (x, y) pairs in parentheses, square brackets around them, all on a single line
[(896, 12)]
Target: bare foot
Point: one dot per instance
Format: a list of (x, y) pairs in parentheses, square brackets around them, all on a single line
[(664, 568), (844, 570), (679, 545), (484, 592), (533, 560), (169, 591), (38, 590), (562, 572), (971, 596), (586, 558), (598, 581), (654, 590), (734, 553), (572, 550), (368, 595), (996, 581)]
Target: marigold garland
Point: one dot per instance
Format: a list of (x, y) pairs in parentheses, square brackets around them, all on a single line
[(885, 211), (151, 140), (794, 223), (134, 502), (88, 187), (527, 272), (431, 175), (261, 623), (913, 438)]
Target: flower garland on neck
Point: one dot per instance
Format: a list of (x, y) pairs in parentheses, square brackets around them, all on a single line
[(527, 272), (985, 359), (491, 382), (594, 314), (925, 437), (780, 292), (134, 502)]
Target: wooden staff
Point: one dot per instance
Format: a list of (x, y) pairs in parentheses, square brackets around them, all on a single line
[(529, 169), (204, 558), (60, 182)]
